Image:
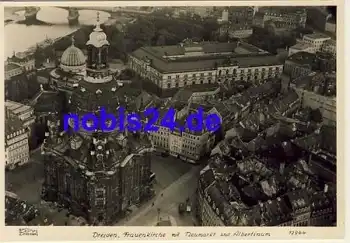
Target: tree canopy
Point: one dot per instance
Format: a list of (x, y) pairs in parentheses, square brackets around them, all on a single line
[(155, 29)]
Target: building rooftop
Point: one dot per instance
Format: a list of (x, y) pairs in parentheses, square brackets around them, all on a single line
[(303, 58), (301, 46), (12, 123), (318, 83), (17, 108), (317, 36), (330, 42), (198, 88), (207, 56), (251, 192), (11, 66), (18, 212), (279, 10)]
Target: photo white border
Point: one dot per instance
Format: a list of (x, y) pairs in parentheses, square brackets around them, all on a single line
[(85, 233)]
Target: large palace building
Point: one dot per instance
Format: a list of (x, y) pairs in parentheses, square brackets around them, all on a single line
[(97, 175), (172, 67)]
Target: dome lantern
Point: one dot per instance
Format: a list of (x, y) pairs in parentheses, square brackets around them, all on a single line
[(98, 38)]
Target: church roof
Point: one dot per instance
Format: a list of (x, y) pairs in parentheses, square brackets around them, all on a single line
[(73, 56), (98, 38)]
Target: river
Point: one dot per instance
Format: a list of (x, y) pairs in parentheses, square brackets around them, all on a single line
[(19, 37)]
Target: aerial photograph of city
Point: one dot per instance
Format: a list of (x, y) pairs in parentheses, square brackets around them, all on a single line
[(170, 116)]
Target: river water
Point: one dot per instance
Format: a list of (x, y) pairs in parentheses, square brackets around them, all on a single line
[(19, 37)]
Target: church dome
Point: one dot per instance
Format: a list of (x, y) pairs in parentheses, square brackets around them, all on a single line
[(73, 59)]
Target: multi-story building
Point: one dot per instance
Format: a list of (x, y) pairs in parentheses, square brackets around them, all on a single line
[(24, 112), (293, 17), (183, 143), (172, 67), (12, 70), (236, 31), (330, 46), (277, 28), (327, 62), (318, 91), (235, 192), (224, 16), (98, 175), (191, 10), (18, 64), (241, 15), (300, 64), (316, 40), (314, 43), (301, 206), (301, 47), (16, 141), (322, 209)]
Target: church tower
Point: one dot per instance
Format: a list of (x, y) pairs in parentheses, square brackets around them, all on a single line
[(91, 172), (97, 56)]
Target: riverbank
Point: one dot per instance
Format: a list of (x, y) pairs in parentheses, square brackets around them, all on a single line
[(33, 22), (11, 14)]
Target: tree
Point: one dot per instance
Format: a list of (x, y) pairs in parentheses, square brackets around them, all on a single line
[(141, 32), (80, 38), (161, 41)]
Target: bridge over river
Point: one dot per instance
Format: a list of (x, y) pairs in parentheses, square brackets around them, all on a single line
[(73, 12)]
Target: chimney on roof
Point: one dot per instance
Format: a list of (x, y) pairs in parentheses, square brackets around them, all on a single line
[(7, 114), (282, 165), (325, 188)]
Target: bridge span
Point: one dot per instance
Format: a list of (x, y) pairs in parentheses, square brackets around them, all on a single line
[(73, 12)]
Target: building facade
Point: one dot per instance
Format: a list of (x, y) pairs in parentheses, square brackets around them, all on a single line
[(330, 46), (18, 64), (318, 96), (187, 145), (24, 112), (316, 40), (16, 141), (293, 17), (173, 67), (236, 31)]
